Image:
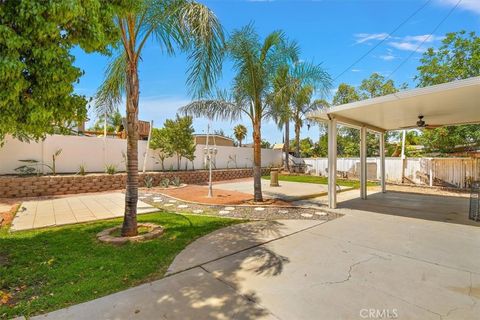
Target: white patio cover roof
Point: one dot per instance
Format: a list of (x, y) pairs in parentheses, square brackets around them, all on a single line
[(451, 103)]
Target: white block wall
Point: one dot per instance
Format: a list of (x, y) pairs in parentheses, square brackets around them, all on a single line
[(94, 153)]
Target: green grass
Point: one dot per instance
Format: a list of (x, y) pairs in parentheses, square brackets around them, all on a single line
[(53, 268), (320, 180)]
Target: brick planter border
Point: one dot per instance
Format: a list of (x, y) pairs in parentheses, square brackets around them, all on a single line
[(33, 186)]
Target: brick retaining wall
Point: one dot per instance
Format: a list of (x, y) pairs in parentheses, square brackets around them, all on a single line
[(14, 186)]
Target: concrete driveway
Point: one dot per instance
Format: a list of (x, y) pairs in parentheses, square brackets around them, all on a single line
[(364, 265)]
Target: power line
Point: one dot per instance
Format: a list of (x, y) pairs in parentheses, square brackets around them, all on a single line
[(383, 40), (425, 40)]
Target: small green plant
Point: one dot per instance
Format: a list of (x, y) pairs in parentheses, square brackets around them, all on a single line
[(176, 182), (110, 168), (55, 155), (171, 167), (148, 182), (165, 182), (82, 170)]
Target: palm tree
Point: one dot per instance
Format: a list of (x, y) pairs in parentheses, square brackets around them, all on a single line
[(240, 132), (303, 104), (255, 63), (183, 25), (280, 102), (294, 86)]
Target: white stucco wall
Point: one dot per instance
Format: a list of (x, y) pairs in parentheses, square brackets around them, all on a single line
[(89, 151)]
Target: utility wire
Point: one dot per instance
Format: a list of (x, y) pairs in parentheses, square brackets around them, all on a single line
[(383, 40), (425, 40)]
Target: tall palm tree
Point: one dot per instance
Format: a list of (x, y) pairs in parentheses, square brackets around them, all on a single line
[(183, 25), (280, 101), (302, 104), (294, 86), (255, 63), (240, 132)]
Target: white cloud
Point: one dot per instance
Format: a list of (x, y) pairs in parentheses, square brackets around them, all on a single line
[(470, 5), (408, 43), (367, 37), (413, 43), (356, 70), (389, 56)]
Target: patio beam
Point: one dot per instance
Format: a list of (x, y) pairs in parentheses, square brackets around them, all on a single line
[(363, 162), (332, 163), (355, 124), (382, 162)]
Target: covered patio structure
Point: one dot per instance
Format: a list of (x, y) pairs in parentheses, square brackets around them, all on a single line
[(452, 103)]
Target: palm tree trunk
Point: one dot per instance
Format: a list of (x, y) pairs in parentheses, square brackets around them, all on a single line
[(297, 140), (257, 161), (287, 144), (129, 227)]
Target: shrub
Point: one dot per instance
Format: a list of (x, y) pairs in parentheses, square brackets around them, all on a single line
[(110, 168), (148, 182), (82, 170), (165, 183), (176, 182)]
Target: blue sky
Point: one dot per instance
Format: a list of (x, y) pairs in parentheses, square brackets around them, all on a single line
[(332, 32)]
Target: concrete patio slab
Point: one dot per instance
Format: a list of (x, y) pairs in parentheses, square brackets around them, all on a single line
[(234, 239), (191, 295), (363, 262), (42, 213), (287, 190)]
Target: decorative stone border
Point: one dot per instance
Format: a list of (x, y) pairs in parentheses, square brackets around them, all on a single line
[(155, 232)]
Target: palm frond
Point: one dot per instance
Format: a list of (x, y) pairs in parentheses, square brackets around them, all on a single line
[(312, 74), (110, 93), (212, 109), (205, 46)]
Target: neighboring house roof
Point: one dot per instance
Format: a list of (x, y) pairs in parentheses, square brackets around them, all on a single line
[(213, 139)]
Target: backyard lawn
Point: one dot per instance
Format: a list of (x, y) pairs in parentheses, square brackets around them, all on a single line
[(321, 180), (53, 268)]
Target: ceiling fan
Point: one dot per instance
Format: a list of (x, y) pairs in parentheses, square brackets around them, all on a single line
[(421, 124)]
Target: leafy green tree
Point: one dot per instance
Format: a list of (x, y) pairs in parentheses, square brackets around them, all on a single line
[(255, 63), (457, 58), (36, 69), (114, 122), (179, 134), (240, 132), (265, 144), (307, 148), (176, 25), (374, 86), (160, 142)]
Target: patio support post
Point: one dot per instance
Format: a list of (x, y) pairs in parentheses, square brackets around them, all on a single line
[(382, 162), (332, 163), (363, 162)]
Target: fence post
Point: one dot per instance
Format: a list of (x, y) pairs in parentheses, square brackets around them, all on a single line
[(430, 174)]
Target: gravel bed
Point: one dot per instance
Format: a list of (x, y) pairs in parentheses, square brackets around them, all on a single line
[(235, 211)]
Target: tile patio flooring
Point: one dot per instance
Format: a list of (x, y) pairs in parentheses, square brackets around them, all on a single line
[(72, 209)]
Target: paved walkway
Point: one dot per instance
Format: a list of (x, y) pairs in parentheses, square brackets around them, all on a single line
[(72, 209), (361, 264)]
